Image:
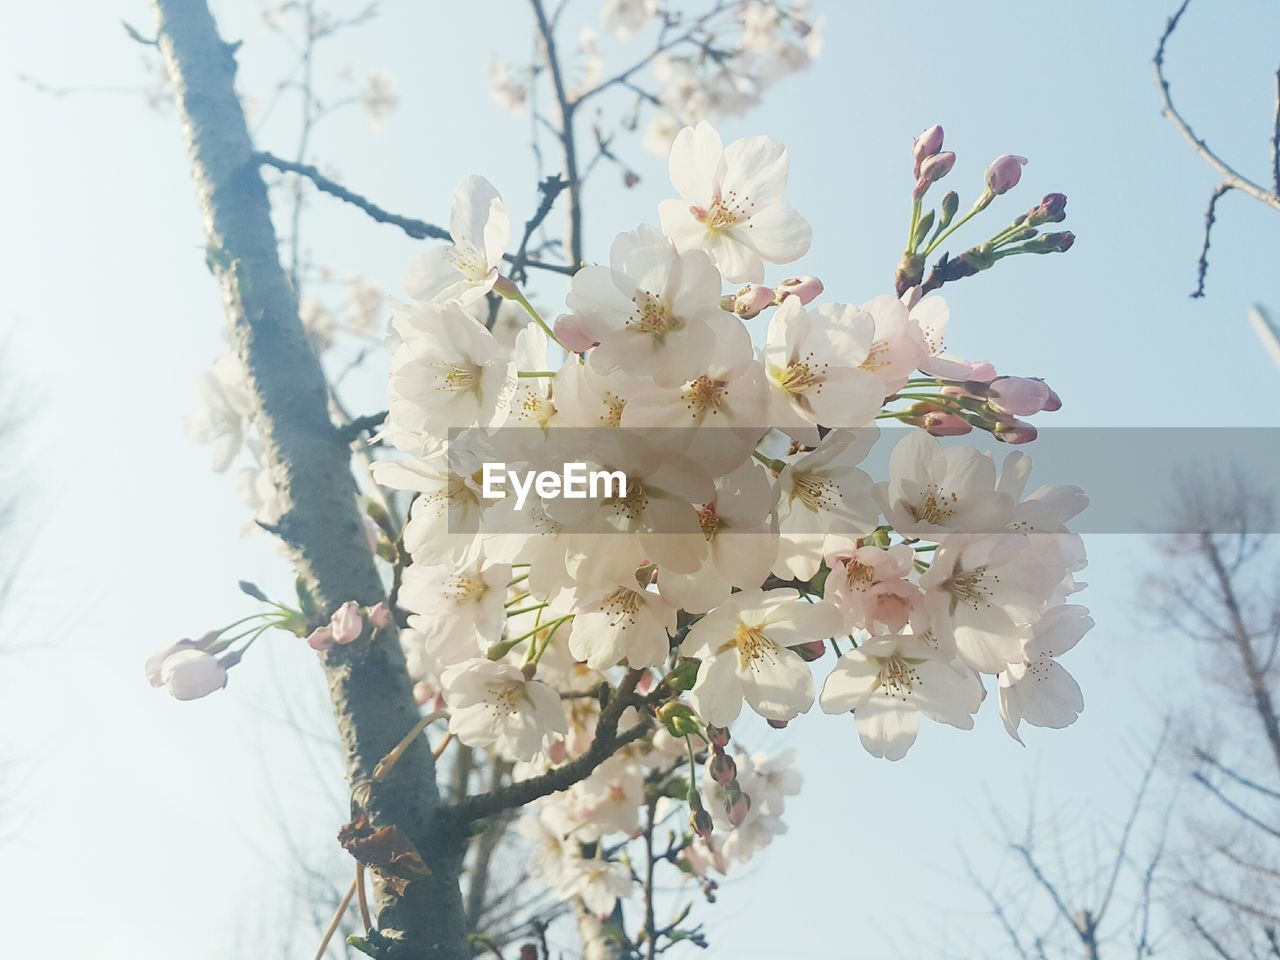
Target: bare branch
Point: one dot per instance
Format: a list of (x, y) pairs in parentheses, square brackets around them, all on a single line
[(1209, 939), (1125, 833), (418, 229), (1244, 781), (1234, 807), (1230, 176), (1210, 217)]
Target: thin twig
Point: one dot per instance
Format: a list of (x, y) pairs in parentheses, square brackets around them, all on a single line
[(418, 229), (336, 921), (362, 898), (550, 188), (1210, 216)]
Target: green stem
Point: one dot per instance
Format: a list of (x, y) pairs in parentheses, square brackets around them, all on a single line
[(978, 207), (535, 373), (521, 299)]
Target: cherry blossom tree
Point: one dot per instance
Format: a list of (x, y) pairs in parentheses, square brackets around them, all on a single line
[(559, 675)]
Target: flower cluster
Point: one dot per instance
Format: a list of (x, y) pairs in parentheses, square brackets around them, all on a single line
[(746, 561), (746, 545)]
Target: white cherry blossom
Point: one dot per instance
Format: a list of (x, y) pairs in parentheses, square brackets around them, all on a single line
[(458, 610), (889, 681), (744, 648), (813, 359), (982, 593), (650, 311), (934, 490), (1037, 689), (823, 498), (447, 372), (466, 269), (222, 418), (495, 704), (731, 203), (619, 623)]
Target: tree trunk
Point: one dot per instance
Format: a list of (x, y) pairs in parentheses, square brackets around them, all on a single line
[(310, 467)]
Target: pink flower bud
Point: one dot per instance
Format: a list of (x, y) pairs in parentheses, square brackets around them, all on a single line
[(321, 638), (777, 724), (1004, 173), (739, 809), (928, 143), (1020, 396), (1015, 431), (940, 424), (719, 736), (752, 299), (1054, 403), (570, 332), (722, 769), (806, 288), (192, 674), (700, 823), (347, 623), (813, 650), (938, 166), (380, 615)]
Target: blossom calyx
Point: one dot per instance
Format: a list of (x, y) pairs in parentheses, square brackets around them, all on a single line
[(679, 719)]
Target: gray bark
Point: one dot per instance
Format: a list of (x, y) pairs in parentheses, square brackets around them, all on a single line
[(310, 466)]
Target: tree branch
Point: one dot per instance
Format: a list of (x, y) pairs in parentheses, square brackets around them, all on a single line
[(1210, 216), (564, 134), (309, 465), (1234, 807), (1230, 176), (607, 742), (418, 229)]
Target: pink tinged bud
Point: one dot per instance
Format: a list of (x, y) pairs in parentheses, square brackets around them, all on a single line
[(424, 693), (192, 674), (1020, 396), (811, 651), (320, 639), (569, 331), (380, 615), (982, 371), (700, 823), (347, 623), (928, 143), (1004, 173), (921, 188), (777, 724), (719, 736), (752, 299), (1015, 431), (806, 288), (722, 768), (939, 424), (937, 166), (739, 809), (1053, 404)]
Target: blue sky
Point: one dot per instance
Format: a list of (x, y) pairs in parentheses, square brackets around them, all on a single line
[(135, 807)]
